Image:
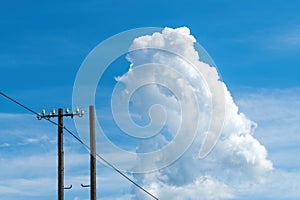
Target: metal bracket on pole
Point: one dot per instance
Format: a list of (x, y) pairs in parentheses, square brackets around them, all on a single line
[(69, 187), (82, 185)]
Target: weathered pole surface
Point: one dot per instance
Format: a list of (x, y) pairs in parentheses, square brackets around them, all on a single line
[(60, 155), (93, 153)]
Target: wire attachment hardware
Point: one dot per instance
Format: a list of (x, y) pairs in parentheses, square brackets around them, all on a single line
[(84, 186), (69, 187)]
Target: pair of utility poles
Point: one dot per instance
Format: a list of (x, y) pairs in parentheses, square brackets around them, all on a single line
[(60, 146)]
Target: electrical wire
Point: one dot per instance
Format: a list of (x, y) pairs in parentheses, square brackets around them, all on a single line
[(109, 164), (82, 143), (20, 104), (25, 107)]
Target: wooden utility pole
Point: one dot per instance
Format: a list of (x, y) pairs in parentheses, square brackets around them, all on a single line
[(60, 154), (60, 145), (93, 153)]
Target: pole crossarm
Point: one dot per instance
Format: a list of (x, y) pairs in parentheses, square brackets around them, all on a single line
[(66, 114)]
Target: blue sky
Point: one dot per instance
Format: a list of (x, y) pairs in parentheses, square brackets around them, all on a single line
[(254, 44)]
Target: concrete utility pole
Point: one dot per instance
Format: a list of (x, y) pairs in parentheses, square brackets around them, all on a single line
[(60, 145), (93, 153)]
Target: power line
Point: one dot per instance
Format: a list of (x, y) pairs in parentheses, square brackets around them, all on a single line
[(26, 108), (20, 104), (109, 164), (81, 142)]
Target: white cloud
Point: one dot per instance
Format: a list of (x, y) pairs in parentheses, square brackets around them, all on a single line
[(237, 158), (27, 187), (36, 177), (290, 38), (285, 38), (278, 114), (203, 187), (278, 184), (4, 145)]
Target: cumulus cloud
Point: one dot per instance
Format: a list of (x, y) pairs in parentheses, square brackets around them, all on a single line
[(203, 187), (237, 157)]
